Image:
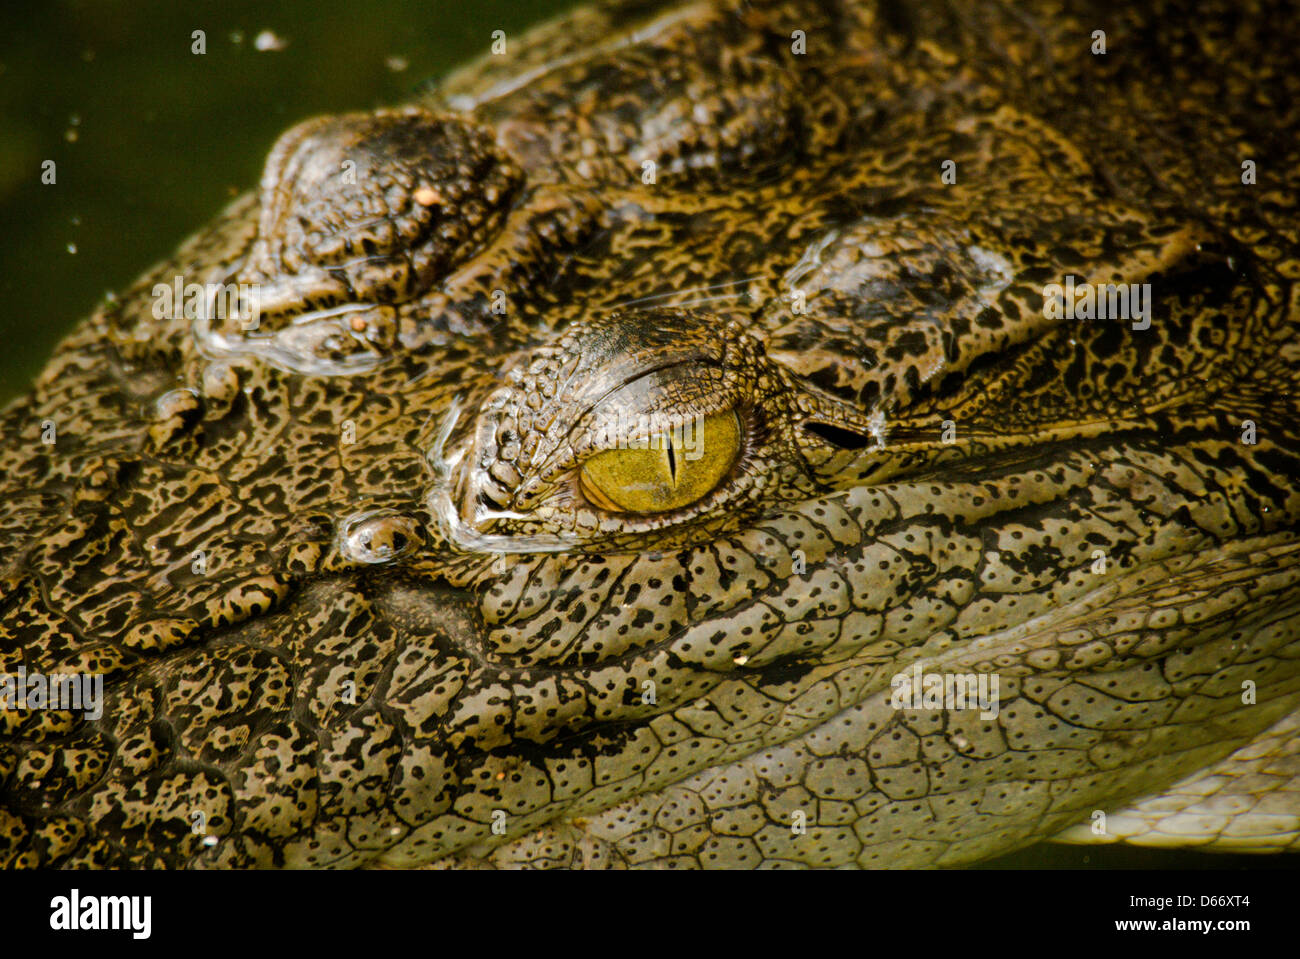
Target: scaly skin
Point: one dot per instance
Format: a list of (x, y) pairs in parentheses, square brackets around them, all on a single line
[(355, 608)]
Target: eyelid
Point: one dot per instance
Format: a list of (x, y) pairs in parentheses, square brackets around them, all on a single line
[(663, 400)]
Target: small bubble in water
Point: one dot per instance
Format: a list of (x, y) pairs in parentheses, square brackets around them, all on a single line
[(72, 248), (267, 40), (397, 64)]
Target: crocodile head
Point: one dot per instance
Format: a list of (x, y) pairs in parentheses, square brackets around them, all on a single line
[(623, 454)]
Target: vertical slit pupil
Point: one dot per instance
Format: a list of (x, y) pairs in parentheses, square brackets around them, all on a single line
[(672, 459)]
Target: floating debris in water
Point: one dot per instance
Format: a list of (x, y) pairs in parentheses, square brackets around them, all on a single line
[(397, 64), (268, 40)]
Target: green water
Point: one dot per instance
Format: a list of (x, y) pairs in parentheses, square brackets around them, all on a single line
[(149, 140)]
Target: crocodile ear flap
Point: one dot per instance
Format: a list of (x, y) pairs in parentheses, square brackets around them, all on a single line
[(838, 436), (832, 449), (843, 446), (833, 436)]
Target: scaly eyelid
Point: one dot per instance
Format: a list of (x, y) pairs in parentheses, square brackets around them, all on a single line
[(673, 399)]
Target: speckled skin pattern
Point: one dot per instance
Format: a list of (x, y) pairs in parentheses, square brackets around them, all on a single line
[(353, 609)]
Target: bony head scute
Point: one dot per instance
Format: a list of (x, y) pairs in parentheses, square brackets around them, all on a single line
[(665, 472)]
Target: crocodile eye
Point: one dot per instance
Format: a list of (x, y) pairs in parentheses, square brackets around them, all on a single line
[(666, 471)]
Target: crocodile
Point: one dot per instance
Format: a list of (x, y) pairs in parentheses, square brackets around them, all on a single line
[(718, 434)]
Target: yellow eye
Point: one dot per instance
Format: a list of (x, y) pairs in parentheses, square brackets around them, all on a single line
[(666, 471)]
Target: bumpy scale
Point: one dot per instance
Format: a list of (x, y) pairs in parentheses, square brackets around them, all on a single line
[(386, 574)]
